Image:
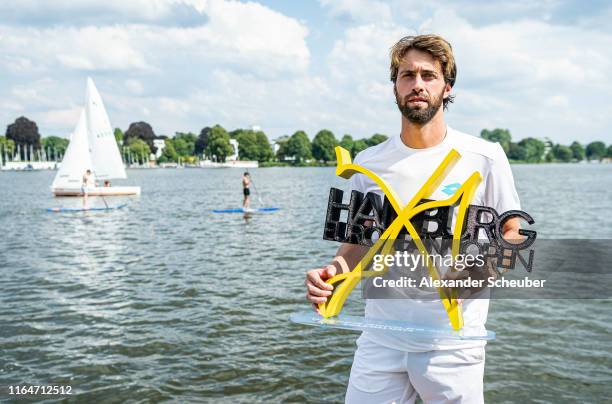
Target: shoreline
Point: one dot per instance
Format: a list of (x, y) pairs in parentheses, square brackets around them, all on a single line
[(276, 164)]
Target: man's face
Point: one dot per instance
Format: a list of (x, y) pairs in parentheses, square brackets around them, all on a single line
[(420, 88)]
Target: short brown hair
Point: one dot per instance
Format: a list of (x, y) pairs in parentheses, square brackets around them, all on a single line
[(436, 46)]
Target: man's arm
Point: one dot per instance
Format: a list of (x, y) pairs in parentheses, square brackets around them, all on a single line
[(347, 257)]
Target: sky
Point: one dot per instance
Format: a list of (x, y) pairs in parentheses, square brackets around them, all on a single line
[(540, 69)]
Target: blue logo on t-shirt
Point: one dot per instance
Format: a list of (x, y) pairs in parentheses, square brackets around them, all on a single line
[(451, 188)]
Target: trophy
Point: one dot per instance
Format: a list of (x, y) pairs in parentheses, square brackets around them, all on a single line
[(382, 226)]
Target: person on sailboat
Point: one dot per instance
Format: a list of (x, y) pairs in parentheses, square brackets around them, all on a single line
[(246, 182), (92, 146), (87, 185)]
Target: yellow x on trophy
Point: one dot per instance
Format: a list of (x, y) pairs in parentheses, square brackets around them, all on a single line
[(344, 283)]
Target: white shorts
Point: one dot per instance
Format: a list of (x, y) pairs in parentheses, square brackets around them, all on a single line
[(385, 375)]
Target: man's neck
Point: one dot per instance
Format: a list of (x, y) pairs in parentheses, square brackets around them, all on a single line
[(424, 136)]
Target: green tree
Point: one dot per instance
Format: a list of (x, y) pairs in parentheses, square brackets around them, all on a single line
[(253, 145), (299, 147), (265, 149), (323, 146), (376, 139), (534, 149), (169, 153), (7, 147), (202, 141), (359, 145), (281, 142), (609, 152), (596, 150), (347, 142), (578, 152), (184, 144), (118, 137), (7, 143), (501, 136), (219, 145), (233, 134), (139, 149), (561, 153), (517, 152), (55, 145), (550, 157), (248, 149)]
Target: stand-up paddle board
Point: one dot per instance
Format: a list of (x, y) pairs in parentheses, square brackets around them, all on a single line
[(85, 209), (248, 210)]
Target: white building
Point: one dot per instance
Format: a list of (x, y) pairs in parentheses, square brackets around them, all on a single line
[(233, 156), (231, 161), (275, 147), (160, 144)]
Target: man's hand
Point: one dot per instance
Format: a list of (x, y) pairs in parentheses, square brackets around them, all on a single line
[(347, 257), (317, 291)]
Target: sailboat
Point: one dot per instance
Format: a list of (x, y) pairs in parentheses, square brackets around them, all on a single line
[(92, 147)]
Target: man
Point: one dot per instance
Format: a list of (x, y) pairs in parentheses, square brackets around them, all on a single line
[(86, 185), (246, 182), (394, 367)]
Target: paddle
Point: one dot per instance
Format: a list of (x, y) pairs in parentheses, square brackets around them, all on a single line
[(255, 188)]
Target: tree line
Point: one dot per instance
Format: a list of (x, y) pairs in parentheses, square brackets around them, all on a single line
[(532, 150), (214, 143), (137, 143)]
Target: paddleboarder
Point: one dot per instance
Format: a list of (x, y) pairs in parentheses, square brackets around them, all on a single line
[(86, 186), (246, 183), (390, 367)]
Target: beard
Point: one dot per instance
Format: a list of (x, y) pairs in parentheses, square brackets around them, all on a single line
[(415, 114)]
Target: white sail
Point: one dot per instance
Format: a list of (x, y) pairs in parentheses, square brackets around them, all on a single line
[(77, 158), (104, 151)]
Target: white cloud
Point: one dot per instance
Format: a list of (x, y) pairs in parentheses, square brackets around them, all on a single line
[(249, 36), (8, 104), (235, 99), (174, 107), (36, 92), (183, 65), (134, 86), (63, 117), (86, 48), (537, 78), (170, 62), (526, 63)]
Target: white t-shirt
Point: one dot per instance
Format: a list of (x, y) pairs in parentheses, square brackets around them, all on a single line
[(406, 170)]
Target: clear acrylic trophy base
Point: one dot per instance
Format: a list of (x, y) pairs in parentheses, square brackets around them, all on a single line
[(358, 323)]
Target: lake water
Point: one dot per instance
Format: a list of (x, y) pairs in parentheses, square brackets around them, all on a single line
[(164, 300)]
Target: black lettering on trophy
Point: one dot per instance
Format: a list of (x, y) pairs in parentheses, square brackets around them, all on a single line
[(368, 217)]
